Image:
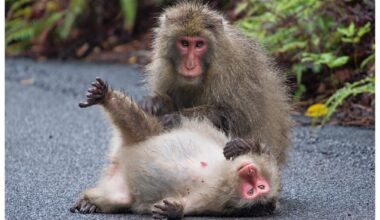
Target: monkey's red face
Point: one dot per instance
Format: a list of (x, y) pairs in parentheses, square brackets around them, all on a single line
[(192, 51), (253, 184)]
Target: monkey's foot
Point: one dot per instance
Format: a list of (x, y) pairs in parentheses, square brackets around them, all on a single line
[(96, 94), (84, 206), (170, 210)]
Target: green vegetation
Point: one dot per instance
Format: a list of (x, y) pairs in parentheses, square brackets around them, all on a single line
[(366, 85), (318, 39), (38, 23)]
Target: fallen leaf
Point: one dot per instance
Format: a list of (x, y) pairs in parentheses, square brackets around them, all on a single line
[(316, 110), (132, 59), (27, 81)]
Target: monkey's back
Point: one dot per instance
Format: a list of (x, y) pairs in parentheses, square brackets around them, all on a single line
[(175, 163)]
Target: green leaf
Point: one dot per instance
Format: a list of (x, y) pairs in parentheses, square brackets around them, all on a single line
[(46, 22), (14, 25), (351, 30), (301, 89), (16, 6), (23, 12), (340, 61), (348, 31), (241, 7), (75, 8), (364, 30), (316, 68), (16, 48), (129, 9), (293, 46), (326, 57), (22, 34), (298, 69), (367, 60), (347, 40)]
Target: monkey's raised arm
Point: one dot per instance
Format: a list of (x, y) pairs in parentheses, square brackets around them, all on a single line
[(133, 123)]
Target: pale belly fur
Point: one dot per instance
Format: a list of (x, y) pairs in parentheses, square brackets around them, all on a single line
[(173, 165)]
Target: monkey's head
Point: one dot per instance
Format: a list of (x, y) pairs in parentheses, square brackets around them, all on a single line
[(186, 37), (257, 184)]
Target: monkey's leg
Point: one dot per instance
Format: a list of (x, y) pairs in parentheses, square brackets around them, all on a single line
[(96, 201), (134, 124), (111, 195), (168, 209)]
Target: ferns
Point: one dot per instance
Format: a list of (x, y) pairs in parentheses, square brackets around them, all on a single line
[(366, 85), (75, 8), (24, 28)]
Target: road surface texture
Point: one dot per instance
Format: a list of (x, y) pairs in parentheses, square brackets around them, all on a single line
[(54, 149)]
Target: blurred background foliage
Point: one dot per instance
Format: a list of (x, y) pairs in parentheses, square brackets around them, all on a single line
[(327, 46)]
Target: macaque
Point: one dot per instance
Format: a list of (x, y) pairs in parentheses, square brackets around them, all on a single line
[(176, 172), (204, 67)]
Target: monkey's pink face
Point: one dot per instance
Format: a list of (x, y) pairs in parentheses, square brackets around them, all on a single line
[(192, 51), (252, 184)]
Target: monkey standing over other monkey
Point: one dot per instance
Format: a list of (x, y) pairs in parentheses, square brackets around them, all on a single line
[(177, 172), (202, 66)]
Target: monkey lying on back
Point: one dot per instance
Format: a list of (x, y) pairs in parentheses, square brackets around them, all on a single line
[(174, 173)]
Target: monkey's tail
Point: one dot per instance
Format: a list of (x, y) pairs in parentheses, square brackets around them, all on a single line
[(133, 123)]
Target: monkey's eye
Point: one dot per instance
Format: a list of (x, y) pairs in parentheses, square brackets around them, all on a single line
[(250, 192), (199, 44), (185, 43)]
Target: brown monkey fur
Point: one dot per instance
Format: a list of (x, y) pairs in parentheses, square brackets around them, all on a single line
[(239, 89), (176, 172)]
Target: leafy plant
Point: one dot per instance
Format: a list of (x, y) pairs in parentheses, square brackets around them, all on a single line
[(324, 58), (21, 31), (366, 85), (53, 20), (315, 37), (351, 34), (290, 27)]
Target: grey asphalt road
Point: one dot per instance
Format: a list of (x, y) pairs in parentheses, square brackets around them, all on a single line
[(54, 149)]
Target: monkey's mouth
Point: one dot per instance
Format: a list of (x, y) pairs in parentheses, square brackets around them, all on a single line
[(189, 77)]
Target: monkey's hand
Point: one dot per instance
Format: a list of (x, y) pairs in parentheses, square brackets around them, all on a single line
[(170, 121), (156, 105), (170, 210), (236, 147), (84, 206), (96, 94)]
